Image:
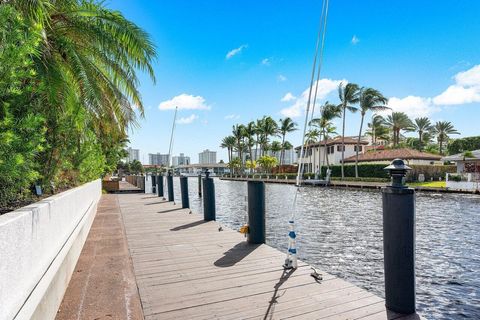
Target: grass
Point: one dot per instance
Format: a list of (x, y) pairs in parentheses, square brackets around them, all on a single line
[(431, 184)]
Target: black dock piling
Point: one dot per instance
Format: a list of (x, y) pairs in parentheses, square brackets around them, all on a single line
[(208, 198), (154, 183), (160, 185), (184, 191), (256, 212), (170, 186), (399, 241), (200, 185)]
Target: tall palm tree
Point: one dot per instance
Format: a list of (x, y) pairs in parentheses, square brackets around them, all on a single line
[(397, 122), (442, 130), (238, 132), (249, 134), (268, 128), (422, 125), (328, 112), (258, 135), (286, 126), (349, 96), (229, 143), (369, 100)]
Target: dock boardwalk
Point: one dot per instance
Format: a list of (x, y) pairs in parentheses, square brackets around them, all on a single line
[(186, 268)]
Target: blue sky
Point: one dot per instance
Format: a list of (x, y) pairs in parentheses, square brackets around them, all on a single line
[(227, 62)]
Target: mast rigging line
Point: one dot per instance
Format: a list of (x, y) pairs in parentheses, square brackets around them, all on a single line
[(291, 260)]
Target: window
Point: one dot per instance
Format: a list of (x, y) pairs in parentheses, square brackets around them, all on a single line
[(359, 148), (339, 148)]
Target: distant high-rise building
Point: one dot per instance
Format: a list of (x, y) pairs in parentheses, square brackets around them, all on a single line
[(180, 160), (158, 159), (133, 154), (207, 157)]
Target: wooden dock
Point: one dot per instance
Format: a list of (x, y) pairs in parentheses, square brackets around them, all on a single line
[(186, 268)]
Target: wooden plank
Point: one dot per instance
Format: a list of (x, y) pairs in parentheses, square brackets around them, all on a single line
[(185, 268)]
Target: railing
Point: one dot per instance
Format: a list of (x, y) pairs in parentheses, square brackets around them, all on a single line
[(463, 177)]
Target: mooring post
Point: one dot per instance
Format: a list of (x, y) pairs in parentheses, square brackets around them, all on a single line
[(256, 212), (153, 177), (184, 191), (200, 185), (208, 198), (170, 185), (399, 241), (160, 185)]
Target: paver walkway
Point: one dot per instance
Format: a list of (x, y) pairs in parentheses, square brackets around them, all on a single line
[(186, 268), (103, 284)]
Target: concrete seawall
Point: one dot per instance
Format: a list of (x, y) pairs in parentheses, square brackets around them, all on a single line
[(40, 245)]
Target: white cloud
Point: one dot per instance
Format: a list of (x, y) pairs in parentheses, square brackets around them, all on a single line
[(235, 51), (187, 120), (355, 40), (266, 62), (281, 78), (325, 87), (186, 102), (465, 90), (458, 95), (231, 116), (470, 77), (288, 97), (413, 106)]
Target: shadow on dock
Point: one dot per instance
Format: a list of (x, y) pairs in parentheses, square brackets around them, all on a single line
[(188, 225), (170, 210), (235, 254), (271, 304)]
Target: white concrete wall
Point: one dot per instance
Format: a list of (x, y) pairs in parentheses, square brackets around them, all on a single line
[(39, 247)]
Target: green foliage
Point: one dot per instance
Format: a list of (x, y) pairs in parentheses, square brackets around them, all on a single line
[(136, 167), (455, 177), (68, 88), (463, 144), (267, 162)]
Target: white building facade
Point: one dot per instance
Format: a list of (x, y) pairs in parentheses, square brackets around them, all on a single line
[(133, 154), (328, 152), (158, 159), (180, 160), (207, 157)]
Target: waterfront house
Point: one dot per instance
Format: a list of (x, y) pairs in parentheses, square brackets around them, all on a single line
[(468, 171), (197, 168), (410, 156), (316, 154)]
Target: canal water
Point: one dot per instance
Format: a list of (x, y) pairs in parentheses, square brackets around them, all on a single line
[(340, 232)]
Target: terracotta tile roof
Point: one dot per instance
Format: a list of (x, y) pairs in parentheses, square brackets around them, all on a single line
[(336, 140), (390, 154)]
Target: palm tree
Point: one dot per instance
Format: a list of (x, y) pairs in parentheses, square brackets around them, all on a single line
[(268, 128), (286, 126), (422, 125), (328, 112), (238, 132), (275, 147), (370, 100), (286, 146), (87, 60), (397, 122), (249, 134), (377, 129), (348, 95), (310, 138), (258, 134), (229, 143), (442, 129)]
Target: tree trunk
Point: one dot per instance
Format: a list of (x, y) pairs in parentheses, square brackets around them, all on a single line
[(358, 146), (343, 141), (282, 152)]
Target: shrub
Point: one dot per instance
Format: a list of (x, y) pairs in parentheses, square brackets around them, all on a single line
[(463, 144)]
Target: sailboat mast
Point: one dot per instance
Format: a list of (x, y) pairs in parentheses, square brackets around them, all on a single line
[(171, 137)]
